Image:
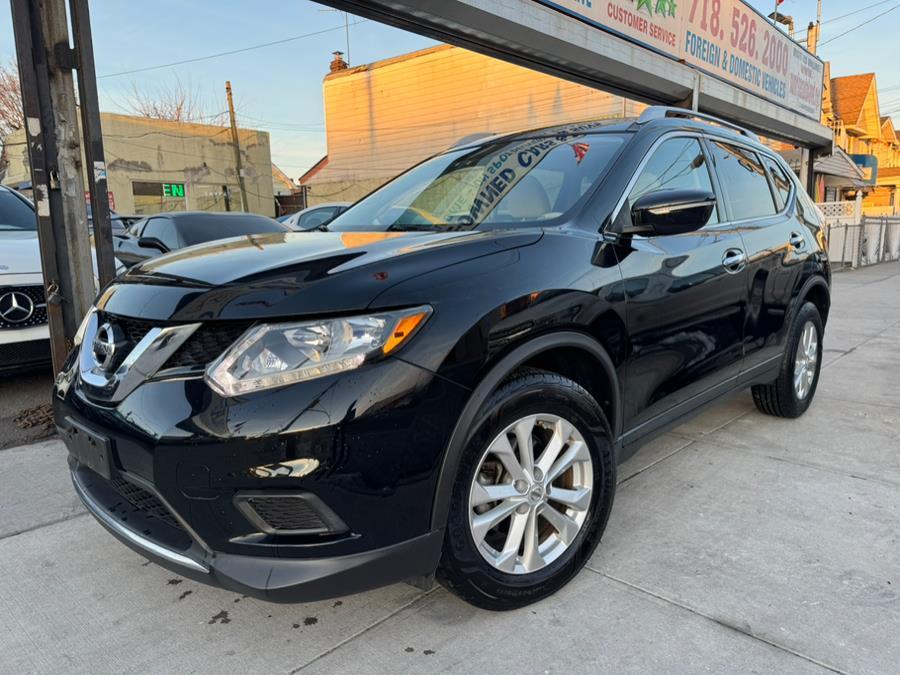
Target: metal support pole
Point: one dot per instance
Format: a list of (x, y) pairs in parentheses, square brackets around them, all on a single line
[(237, 148), (93, 140), (54, 148), (808, 171), (695, 95), (844, 246), (860, 243)]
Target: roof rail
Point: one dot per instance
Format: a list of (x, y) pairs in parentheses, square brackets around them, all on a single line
[(472, 138), (661, 112)]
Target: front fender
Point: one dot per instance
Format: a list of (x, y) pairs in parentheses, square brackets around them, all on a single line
[(497, 312), (468, 419)]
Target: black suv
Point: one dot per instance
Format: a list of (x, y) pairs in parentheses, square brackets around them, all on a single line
[(445, 381)]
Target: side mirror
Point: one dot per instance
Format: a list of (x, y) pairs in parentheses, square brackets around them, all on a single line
[(153, 242), (670, 212)]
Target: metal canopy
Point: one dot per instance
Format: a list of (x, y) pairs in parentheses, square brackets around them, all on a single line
[(535, 36)]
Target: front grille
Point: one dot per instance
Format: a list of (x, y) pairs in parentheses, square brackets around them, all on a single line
[(202, 348), (206, 344), (22, 354), (144, 501), (39, 314), (134, 329)]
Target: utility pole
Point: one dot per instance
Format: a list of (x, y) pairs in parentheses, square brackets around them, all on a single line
[(346, 30), (46, 61), (347, 34), (94, 156), (814, 32), (237, 146)]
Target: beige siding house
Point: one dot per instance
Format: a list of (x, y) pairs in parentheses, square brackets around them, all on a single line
[(386, 116)]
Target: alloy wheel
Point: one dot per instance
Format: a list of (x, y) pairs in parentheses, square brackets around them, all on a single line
[(806, 360), (531, 493)]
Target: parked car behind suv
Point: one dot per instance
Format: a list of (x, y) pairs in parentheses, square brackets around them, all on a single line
[(315, 217), (164, 232), (445, 382), (24, 341)]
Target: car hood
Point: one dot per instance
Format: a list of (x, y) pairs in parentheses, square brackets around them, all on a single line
[(19, 253), (293, 274)]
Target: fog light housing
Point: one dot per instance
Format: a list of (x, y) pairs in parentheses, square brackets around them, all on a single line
[(289, 513)]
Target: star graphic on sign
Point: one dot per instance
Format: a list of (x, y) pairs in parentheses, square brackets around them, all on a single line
[(666, 7)]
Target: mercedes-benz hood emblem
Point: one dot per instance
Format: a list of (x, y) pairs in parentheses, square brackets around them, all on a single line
[(16, 307)]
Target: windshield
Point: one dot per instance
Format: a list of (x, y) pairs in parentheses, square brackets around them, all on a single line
[(15, 213), (535, 180)]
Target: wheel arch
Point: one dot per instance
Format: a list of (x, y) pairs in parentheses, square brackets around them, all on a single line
[(817, 291), (545, 351)]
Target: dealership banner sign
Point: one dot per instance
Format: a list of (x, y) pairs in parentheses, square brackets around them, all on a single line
[(725, 38)]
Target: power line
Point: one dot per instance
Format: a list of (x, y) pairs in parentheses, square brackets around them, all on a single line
[(848, 14), (230, 52), (864, 23)]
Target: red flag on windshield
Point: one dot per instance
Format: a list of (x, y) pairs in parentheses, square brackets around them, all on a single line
[(581, 149)]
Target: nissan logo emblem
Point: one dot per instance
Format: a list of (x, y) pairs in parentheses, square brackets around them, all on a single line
[(16, 307), (106, 345)]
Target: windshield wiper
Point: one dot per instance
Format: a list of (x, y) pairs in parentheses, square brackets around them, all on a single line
[(411, 227)]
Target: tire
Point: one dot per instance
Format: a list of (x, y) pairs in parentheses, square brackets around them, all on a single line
[(782, 398), (559, 409)]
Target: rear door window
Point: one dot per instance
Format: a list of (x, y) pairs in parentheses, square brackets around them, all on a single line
[(744, 180), (783, 184), (164, 230)]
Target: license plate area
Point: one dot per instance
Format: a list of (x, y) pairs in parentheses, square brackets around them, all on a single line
[(90, 448)]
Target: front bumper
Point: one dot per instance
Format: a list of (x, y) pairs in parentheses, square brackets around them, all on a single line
[(31, 351), (277, 579), (376, 436)]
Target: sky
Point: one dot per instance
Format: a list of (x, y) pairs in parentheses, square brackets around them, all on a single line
[(278, 88)]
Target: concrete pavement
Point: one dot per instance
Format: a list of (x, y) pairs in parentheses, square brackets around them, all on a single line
[(737, 543), (23, 415)]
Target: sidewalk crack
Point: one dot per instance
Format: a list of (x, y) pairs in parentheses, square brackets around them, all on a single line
[(745, 631), (41, 526), (365, 630)]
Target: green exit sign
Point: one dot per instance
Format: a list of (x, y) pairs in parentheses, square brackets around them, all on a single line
[(173, 190)]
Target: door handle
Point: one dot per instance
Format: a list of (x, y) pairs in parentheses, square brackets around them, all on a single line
[(797, 240), (734, 260)]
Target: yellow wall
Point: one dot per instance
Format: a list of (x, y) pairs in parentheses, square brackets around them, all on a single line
[(387, 116), (199, 156)]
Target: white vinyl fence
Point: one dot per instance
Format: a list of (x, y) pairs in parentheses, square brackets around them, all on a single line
[(855, 240)]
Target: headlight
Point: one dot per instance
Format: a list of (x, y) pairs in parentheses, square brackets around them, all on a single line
[(273, 355)]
